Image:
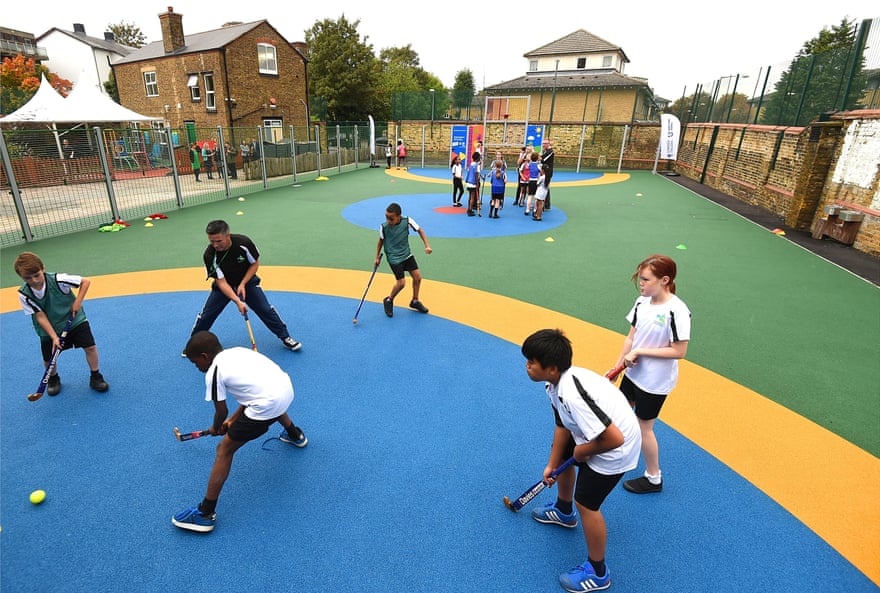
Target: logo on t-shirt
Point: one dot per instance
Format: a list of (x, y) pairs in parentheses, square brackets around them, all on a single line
[(660, 319)]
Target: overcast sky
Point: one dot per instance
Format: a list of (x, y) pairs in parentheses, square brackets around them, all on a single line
[(674, 44)]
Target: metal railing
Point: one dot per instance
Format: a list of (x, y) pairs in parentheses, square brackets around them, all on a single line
[(58, 181)]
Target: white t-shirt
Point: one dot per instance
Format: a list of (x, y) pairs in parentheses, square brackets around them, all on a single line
[(588, 417), (657, 326), (253, 380)]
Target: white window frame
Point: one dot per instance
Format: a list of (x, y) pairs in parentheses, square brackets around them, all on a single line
[(607, 61), (195, 93), (533, 65), (150, 83), (267, 58), (581, 63), (210, 93), (273, 130)]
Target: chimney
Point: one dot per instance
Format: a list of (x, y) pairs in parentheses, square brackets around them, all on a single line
[(79, 28), (109, 36), (172, 31)]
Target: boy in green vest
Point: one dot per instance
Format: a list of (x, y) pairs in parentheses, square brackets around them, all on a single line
[(50, 302), (394, 238)]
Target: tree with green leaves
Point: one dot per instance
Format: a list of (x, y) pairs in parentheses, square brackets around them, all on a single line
[(410, 91), (463, 92), (128, 34), (827, 74), (342, 68)]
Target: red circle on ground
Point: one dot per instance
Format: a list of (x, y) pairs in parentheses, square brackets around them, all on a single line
[(450, 210)]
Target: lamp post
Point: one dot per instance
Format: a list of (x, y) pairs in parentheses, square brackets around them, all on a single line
[(432, 112), (553, 97)]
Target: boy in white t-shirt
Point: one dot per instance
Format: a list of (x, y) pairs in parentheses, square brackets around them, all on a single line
[(263, 392), (595, 424)]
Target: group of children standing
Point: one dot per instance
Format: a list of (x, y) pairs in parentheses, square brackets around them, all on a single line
[(532, 189)]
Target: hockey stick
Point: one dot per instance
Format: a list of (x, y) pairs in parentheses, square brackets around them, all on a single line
[(52, 361), (366, 290), (250, 331), (528, 495), (612, 374), (190, 435)]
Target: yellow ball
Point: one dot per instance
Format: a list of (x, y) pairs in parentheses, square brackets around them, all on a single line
[(38, 496)]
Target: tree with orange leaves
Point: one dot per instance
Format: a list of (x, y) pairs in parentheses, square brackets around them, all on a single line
[(20, 78)]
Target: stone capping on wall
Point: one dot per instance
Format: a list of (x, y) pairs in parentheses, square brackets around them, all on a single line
[(859, 208)]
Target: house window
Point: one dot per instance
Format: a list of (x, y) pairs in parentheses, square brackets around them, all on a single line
[(273, 132), (582, 63), (533, 65), (267, 59), (195, 92), (150, 84), (606, 61), (210, 96)]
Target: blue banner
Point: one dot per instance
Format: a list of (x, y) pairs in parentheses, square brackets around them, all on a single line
[(459, 143), (535, 137)]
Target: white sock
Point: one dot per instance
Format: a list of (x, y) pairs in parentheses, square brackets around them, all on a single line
[(654, 479)]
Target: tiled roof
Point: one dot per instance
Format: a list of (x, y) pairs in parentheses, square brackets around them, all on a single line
[(568, 81), (205, 41), (578, 42), (94, 42)]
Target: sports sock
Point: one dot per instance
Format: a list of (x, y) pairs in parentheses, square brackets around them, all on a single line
[(564, 505), (207, 507), (598, 566)]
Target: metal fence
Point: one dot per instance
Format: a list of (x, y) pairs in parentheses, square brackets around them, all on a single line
[(57, 181), (792, 93)]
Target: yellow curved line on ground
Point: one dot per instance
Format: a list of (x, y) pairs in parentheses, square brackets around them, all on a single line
[(828, 483), (605, 179)]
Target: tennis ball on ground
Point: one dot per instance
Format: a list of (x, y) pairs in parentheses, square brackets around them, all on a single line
[(38, 496), (241, 199)]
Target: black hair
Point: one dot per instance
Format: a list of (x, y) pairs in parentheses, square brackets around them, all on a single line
[(549, 348), (393, 208), (476, 156), (203, 342), (217, 227)]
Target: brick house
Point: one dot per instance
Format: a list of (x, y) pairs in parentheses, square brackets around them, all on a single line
[(580, 78), (241, 75)]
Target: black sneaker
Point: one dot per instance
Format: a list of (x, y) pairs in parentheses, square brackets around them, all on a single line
[(299, 440), (418, 306), (97, 382), (642, 486), (291, 344), (53, 386), (389, 306)]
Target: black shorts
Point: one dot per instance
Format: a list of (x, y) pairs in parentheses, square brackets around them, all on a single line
[(244, 429), (646, 405), (407, 265), (498, 197), (592, 488), (533, 186), (79, 337)]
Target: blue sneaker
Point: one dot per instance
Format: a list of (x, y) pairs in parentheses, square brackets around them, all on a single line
[(300, 441), (583, 578), (550, 515), (192, 519)]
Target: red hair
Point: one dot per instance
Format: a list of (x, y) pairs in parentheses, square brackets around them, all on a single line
[(660, 266)]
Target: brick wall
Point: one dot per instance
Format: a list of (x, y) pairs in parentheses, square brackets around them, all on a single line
[(794, 172)]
